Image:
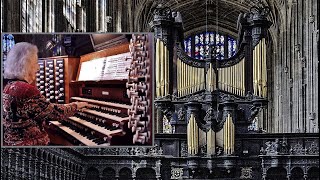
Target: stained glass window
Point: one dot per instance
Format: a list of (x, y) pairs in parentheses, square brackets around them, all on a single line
[(8, 43), (187, 45), (225, 46), (231, 47)]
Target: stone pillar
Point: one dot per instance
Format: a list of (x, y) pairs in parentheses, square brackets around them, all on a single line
[(97, 15), (56, 168), (35, 165), (10, 151), (30, 173), (79, 17), (101, 15), (17, 171), (41, 164)]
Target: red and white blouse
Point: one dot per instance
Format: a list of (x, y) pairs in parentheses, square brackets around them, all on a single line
[(24, 112)]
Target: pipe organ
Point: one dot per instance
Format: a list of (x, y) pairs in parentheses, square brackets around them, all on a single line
[(193, 133), (232, 79), (162, 69), (215, 93), (189, 79), (228, 135), (260, 69), (211, 78), (117, 84)]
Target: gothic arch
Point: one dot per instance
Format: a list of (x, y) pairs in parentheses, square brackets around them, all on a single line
[(296, 174), (92, 173), (145, 173), (125, 173), (201, 173), (275, 173), (108, 174), (143, 16), (313, 173)]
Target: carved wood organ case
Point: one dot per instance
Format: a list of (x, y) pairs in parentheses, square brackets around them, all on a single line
[(116, 81), (209, 100)]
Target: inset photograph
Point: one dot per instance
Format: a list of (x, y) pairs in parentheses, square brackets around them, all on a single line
[(77, 90)]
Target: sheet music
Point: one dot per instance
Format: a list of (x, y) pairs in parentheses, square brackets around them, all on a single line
[(106, 68), (116, 67)]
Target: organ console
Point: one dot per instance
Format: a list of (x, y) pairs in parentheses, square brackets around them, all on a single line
[(115, 81)]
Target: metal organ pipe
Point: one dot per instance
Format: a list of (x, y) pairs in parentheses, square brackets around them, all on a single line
[(190, 79), (162, 69), (259, 66), (232, 79)]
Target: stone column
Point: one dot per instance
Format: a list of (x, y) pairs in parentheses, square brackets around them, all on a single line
[(24, 159), (17, 172), (10, 152), (30, 173), (79, 19), (101, 15)]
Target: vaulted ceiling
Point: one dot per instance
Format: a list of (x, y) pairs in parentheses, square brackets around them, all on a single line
[(197, 15)]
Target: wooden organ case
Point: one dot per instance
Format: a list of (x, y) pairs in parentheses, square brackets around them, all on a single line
[(209, 100), (117, 83)]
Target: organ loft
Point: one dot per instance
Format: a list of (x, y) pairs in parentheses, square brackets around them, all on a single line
[(234, 93)]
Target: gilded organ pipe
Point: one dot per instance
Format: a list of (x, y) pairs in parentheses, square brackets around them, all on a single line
[(260, 69), (228, 136), (211, 143), (231, 79), (162, 69), (157, 68), (192, 135)]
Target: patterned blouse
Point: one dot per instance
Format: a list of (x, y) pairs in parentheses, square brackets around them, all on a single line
[(24, 112)]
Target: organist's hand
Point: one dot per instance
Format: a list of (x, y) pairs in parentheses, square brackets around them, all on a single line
[(81, 105)]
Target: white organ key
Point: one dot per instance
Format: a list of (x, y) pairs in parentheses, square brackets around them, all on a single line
[(95, 127), (102, 102)]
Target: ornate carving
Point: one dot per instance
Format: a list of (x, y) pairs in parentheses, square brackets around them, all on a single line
[(276, 147), (313, 149), (215, 62), (176, 173), (155, 151), (203, 150), (139, 151), (210, 116), (166, 107), (297, 149), (194, 97), (107, 151), (124, 151), (184, 149), (161, 13), (246, 173), (181, 114), (219, 150)]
